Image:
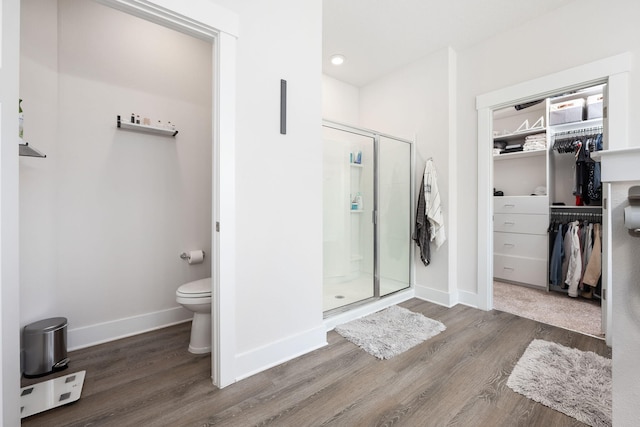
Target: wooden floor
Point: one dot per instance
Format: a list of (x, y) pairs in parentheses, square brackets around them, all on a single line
[(457, 378)]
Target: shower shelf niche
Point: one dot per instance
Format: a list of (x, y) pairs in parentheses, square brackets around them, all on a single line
[(146, 129)]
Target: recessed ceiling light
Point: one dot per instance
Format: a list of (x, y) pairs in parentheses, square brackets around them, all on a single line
[(337, 59)]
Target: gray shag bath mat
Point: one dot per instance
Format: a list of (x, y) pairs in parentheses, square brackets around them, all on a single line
[(574, 382), (389, 332)]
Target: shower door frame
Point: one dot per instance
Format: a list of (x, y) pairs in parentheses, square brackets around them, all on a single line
[(368, 133)]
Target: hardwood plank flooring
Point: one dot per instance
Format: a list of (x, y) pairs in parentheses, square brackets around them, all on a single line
[(457, 378)]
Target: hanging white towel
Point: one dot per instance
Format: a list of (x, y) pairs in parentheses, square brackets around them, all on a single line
[(433, 207)]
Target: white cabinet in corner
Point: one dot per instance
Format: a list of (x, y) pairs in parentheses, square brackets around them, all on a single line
[(521, 204), (520, 239)]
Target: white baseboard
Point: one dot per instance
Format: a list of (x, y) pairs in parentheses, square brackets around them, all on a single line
[(435, 296), (468, 298), (262, 358), (99, 333)]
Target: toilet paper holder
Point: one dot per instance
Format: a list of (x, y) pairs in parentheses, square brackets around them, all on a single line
[(184, 255)]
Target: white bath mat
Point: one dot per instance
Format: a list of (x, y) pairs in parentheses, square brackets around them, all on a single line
[(50, 394), (574, 382), (389, 332)]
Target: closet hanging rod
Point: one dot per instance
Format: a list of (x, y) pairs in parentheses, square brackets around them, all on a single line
[(578, 132), (576, 216), (576, 213)]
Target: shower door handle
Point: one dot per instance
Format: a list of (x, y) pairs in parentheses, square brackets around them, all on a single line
[(374, 217)]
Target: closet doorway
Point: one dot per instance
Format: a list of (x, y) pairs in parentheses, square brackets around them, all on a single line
[(614, 71), (547, 208)]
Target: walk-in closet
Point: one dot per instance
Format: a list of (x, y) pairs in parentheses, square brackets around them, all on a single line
[(547, 223)]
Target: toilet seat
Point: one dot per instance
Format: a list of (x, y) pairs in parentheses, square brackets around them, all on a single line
[(196, 289)]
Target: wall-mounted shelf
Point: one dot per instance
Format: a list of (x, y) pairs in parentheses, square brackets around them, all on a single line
[(146, 129), (519, 134), (26, 150), (356, 165), (519, 154), (356, 210)]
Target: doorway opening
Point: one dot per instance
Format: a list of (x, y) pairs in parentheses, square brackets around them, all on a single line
[(614, 71), (547, 189)]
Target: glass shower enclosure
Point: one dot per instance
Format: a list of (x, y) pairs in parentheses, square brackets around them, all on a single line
[(367, 216)]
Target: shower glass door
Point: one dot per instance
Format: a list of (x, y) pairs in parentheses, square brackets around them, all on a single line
[(348, 229), (394, 215)]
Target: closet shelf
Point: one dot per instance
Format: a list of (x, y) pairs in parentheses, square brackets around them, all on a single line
[(583, 124), (146, 129), (519, 135), (26, 150), (519, 154)]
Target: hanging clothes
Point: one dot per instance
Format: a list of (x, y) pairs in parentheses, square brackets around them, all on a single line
[(557, 256), (429, 219), (421, 234), (575, 253), (594, 266), (433, 205), (587, 185), (574, 269)]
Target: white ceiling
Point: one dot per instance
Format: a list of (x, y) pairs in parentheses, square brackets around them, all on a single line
[(379, 36)]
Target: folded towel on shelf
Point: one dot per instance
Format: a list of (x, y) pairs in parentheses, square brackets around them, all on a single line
[(513, 150), (537, 136), (533, 146)]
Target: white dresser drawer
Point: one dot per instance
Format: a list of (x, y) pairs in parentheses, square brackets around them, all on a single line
[(521, 223), (523, 245), (521, 204), (531, 271)]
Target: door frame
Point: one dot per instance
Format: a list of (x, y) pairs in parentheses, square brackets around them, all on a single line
[(218, 25), (614, 70)]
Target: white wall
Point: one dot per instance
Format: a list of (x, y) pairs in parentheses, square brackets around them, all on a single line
[(413, 103), (9, 283), (278, 182), (106, 214), (340, 101)]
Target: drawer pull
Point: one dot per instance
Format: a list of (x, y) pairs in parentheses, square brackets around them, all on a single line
[(509, 223), (508, 268), (509, 206), (510, 245)]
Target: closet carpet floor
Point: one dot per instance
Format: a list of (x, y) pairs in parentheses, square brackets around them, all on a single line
[(455, 378), (554, 308)]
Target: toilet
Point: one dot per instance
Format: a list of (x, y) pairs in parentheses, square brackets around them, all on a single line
[(196, 297)]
